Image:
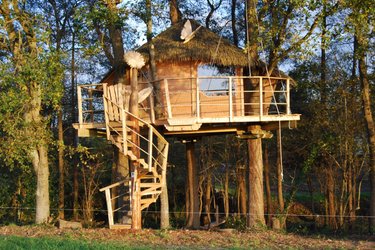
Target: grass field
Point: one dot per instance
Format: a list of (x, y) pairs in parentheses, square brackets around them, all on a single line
[(49, 237), (47, 243)]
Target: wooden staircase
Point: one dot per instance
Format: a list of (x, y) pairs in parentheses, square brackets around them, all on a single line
[(147, 151)]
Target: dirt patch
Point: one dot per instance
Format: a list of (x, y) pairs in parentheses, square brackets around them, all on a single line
[(194, 239)]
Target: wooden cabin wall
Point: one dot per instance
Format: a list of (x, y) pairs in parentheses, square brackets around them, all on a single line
[(181, 87), (182, 92), (239, 97)]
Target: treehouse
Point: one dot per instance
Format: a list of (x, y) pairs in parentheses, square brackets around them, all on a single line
[(200, 89)]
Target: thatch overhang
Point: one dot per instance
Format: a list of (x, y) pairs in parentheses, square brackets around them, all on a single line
[(206, 47)]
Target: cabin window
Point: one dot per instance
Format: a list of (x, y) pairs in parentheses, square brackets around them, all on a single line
[(214, 81)]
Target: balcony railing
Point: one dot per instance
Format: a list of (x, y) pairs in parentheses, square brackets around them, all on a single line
[(204, 99), (224, 97)]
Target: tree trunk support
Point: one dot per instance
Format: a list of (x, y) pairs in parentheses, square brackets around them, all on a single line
[(255, 216), (136, 197), (193, 218)]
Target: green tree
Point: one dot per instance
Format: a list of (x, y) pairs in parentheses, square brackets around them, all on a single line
[(31, 82), (361, 23)]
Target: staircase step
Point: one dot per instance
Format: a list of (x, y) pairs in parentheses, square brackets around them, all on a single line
[(147, 177), (149, 180), (118, 124), (143, 193), (118, 138), (147, 201), (131, 155), (143, 163), (149, 185)]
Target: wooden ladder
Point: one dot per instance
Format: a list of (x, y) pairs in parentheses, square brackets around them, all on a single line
[(151, 162)]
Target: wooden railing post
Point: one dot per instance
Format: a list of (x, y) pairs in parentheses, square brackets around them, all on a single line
[(261, 97), (168, 100), (164, 163), (124, 132), (150, 146), (230, 99), (91, 106), (80, 115), (198, 108), (106, 118), (288, 96)]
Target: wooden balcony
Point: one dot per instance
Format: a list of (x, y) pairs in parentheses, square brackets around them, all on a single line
[(185, 105)]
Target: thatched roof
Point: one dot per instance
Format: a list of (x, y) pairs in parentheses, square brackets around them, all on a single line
[(206, 46)]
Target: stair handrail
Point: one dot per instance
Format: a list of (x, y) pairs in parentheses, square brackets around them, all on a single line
[(116, 184), (151, 145), (125, 141)]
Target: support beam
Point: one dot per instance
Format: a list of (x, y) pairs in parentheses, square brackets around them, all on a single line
[(255, 216), (136, 198), (193, 220)]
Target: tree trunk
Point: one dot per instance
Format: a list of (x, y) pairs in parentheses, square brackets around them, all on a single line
[(40, 163), (268, 186), (280, 197), (164, 200), (252, 31), (39, 156), (207, 206), (255, 185), (187, 192), (226, 192), (311, 191), (136, 198), (174, 12), (242, 190), (192, 171), (61, 165), (75, 193), (121, 172), (75, 135), (256, 202), (234, 19), (331, 198), (351, 204), (366, 98)]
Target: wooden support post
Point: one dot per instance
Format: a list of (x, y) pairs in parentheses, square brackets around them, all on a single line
[(193, 220), (168, 100), (217, 214), (255, 187), (106, 118), (288, 96), (124, 132), (260, 98), (193, 96), (136, 201), (230, 100), (152, 105), (150, 147), (109, 207), (242, 96), (164, 204), (80, 115), (91, 106), (198, 109)]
